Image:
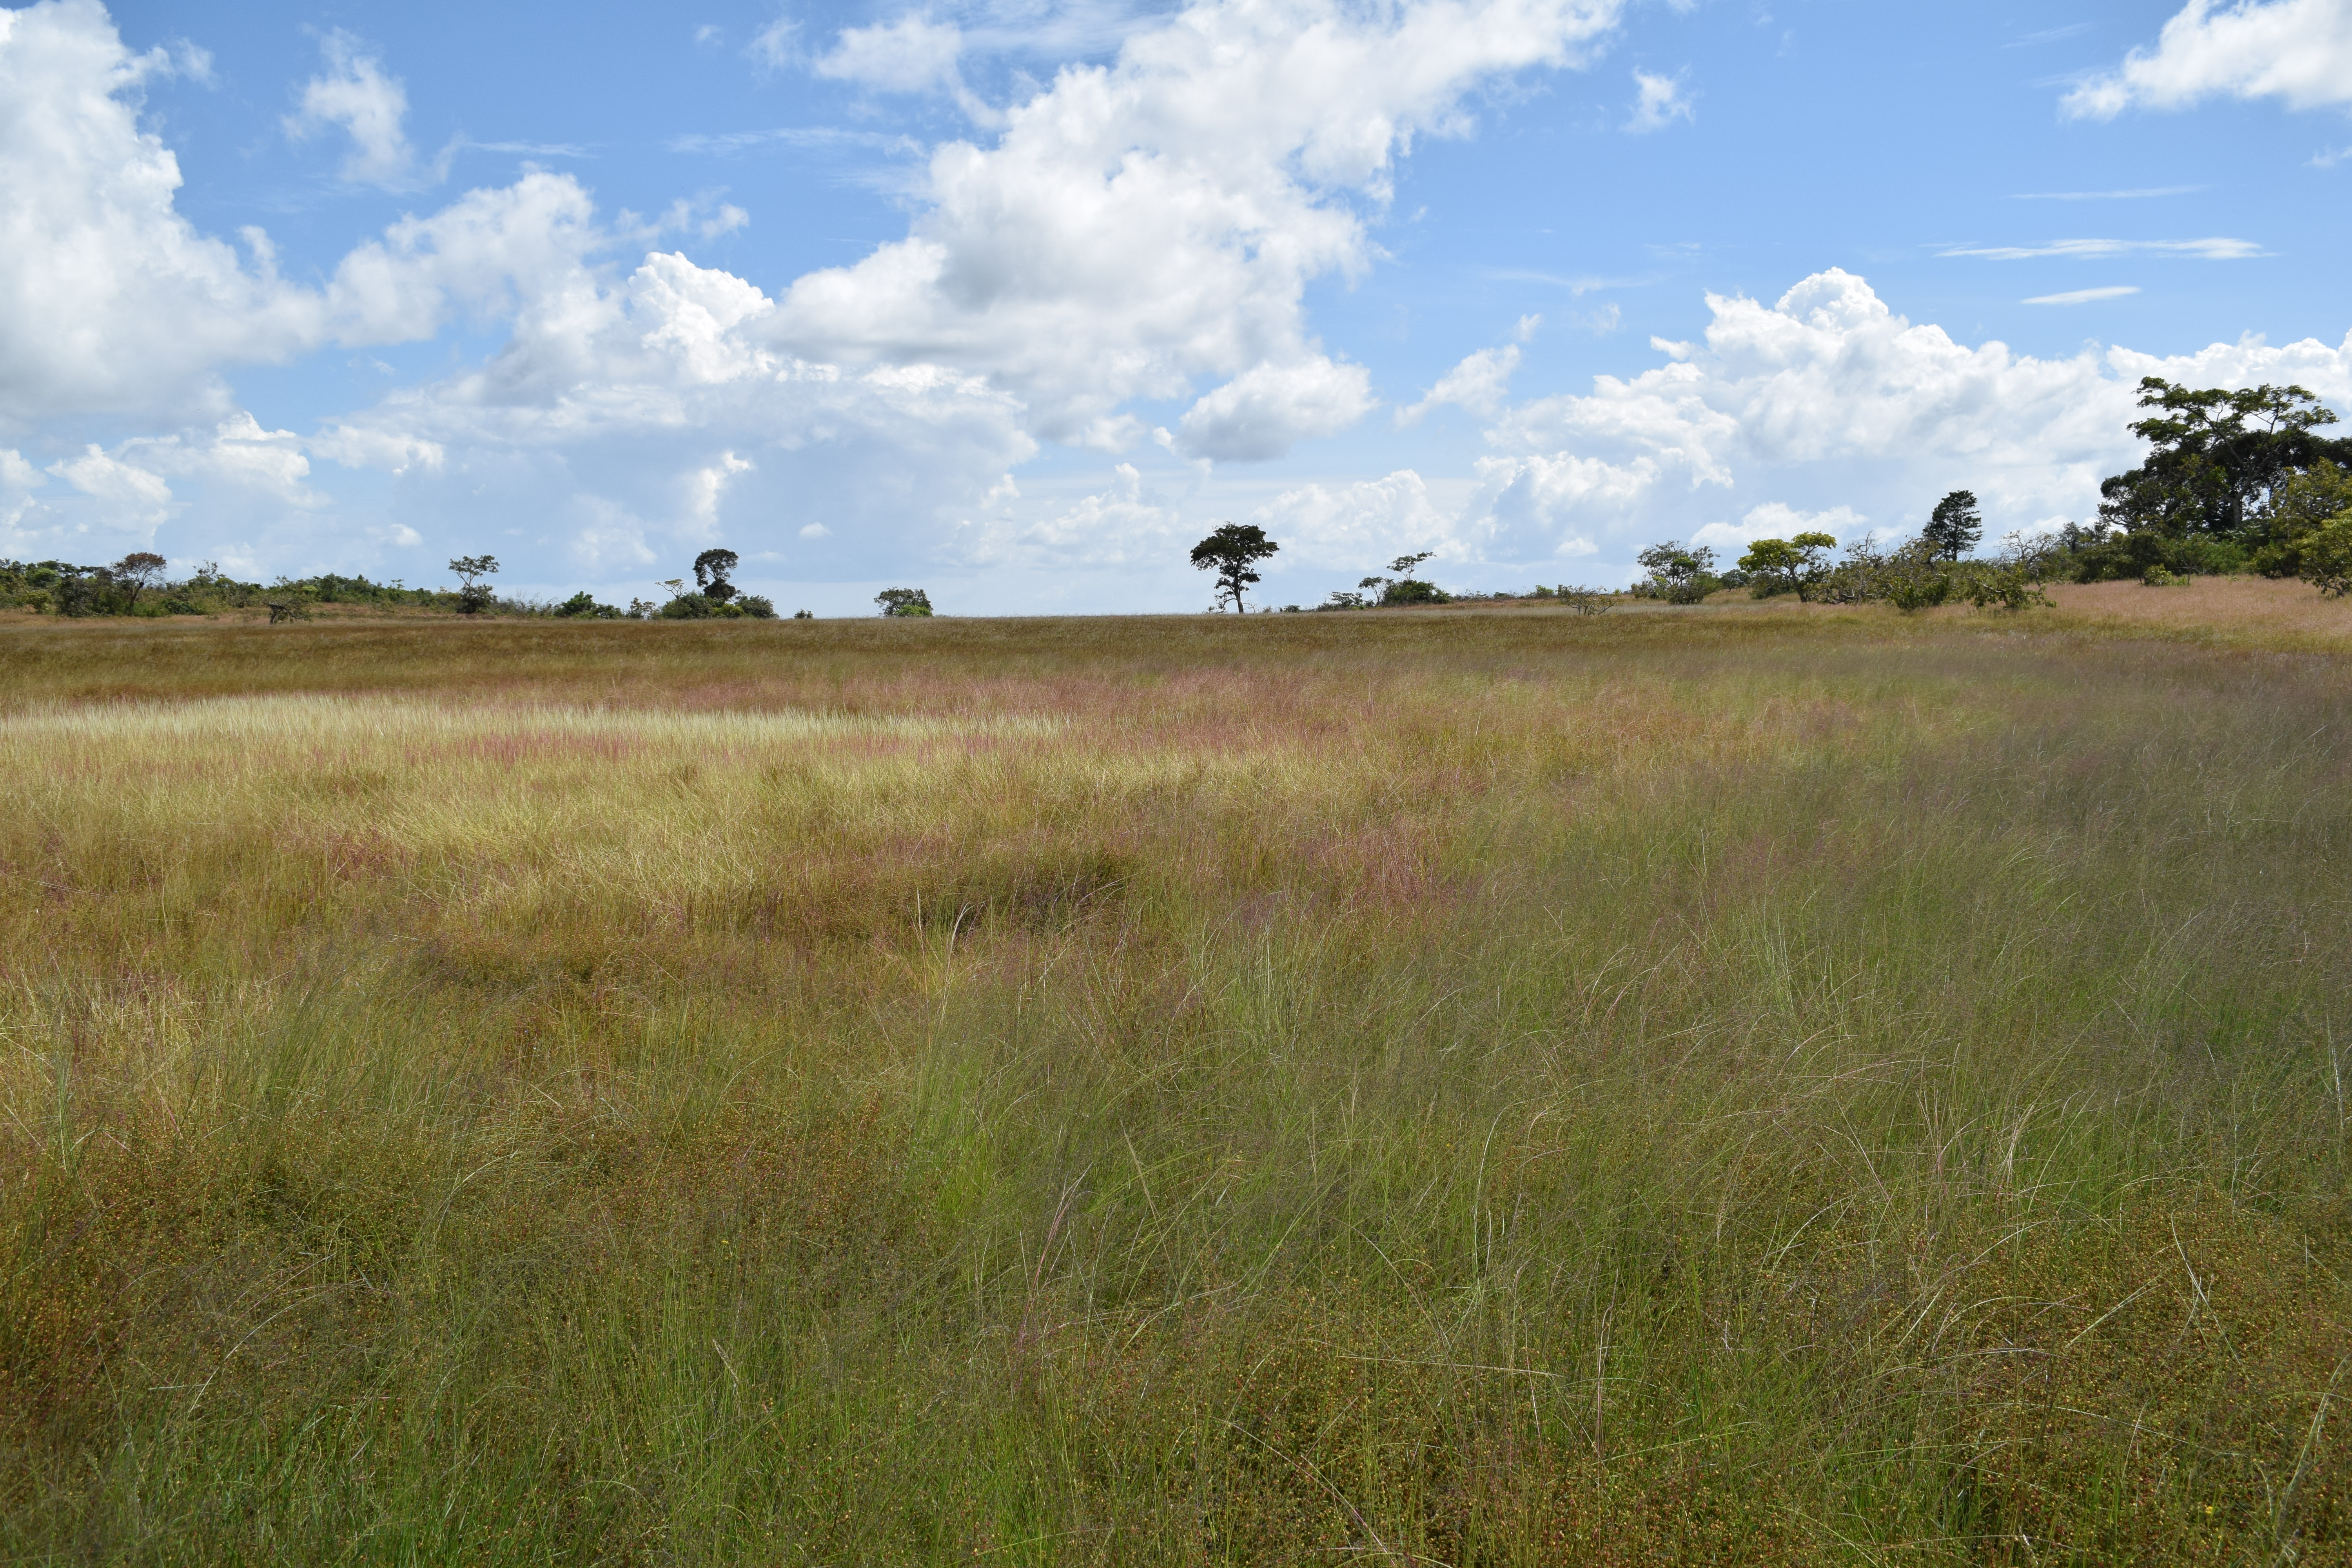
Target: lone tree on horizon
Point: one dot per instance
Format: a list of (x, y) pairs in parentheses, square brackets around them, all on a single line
[(1231, 551), (1954, 527), (474, 597), (711, 570)]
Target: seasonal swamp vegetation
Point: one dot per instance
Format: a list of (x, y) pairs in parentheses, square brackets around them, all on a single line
[(1766, 1083)]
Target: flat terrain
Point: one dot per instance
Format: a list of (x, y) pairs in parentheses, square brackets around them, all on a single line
[(1743, 1084)]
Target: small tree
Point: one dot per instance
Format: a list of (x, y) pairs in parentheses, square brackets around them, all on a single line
[(903, 601), (1954, 527), (139, 570), (1799, 565), (474, 596), (2326, 553), (1679, 575), (1231, 551), (711, 570)]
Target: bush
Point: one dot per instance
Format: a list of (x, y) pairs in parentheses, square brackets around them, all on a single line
[(903, 601), (583, 603), (689, 607), (2327, 556), (803, 615), (758, 606), (2112, 556), (1413, 591), (1918, 590)]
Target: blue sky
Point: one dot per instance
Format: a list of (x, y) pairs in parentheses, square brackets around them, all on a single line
[(1014, 302)]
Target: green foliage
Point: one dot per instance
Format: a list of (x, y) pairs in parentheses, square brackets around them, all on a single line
[(2217, 457), (689, 607), (2304, 503), (475, 595), (1799, 565), (585, 604), (903, 601), (1233, 551), (2102, 554), (1954, 527), (1678, 575), (2327, 556), (1413, 591), (757, 607), (711, 570), (803, 615)]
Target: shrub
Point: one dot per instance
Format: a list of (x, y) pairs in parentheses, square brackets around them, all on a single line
[(2004, 587), (689, 607), (1413, 591), (1918, 590), (803, 615), (903, 601), (758, 606), (2327, 556)]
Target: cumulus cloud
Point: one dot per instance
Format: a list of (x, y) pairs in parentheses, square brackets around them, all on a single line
[(1479, 383), (2298, 51), (1357, 526), (369, 105), (1828, 387), (1137, 225), (1659, 102), (119, 305), (1262, 412)]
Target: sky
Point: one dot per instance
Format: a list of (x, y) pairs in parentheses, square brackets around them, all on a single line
[(1013, 301)]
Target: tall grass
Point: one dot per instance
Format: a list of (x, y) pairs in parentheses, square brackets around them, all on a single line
[(1496, 1090)]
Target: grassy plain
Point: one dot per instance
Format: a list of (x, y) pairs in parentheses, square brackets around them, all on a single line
[(1511, 1088)]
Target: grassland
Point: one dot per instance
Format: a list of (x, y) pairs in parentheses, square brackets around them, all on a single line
[(1748, 1085)]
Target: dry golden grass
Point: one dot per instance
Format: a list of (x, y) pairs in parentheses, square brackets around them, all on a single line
[(1779, 1085), (2258, 611)]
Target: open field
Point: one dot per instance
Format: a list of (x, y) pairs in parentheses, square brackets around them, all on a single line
[(1747, 1085)]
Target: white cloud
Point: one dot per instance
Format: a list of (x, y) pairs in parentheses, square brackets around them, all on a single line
[(1479, 383), (772, 47), (118, 305), (1828, 389), (2298, 51), (1355, 526), (1262, 412), (1778, 520), (2135, 196), (369, 106), (2215, 249), (2084, 296), (104, 477), (1139, 225), (913, 54), (1660, 100)]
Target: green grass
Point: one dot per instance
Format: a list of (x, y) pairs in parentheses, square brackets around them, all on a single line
[(1460, 1088)]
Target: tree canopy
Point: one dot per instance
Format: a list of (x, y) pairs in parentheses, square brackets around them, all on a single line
[(1231, 551), (1790, 565), (711, 570), (2217, 457), (1954, 527)]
